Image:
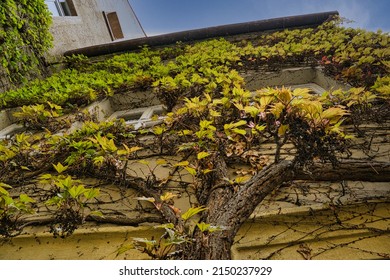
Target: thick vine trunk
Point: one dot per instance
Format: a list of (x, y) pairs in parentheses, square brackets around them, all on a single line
[(231, 213), (230, 210)]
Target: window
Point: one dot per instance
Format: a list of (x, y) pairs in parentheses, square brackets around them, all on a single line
[(61, 7), (142, 117), (113, 25)]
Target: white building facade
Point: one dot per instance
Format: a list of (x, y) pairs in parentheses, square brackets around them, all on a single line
[(83, 23)]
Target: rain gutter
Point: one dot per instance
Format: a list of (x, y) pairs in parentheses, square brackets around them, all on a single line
[(300, 21)]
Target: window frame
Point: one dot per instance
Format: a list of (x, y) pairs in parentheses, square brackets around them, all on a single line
[(63, 8)]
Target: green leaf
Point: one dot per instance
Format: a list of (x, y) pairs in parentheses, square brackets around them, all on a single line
[(91, 193), (54, 200), (3, 191), (60, 168), (8, 200), (192, 211), (203, 226), (76, 191), (158, 130), (239, 131), (26, 199), (98, 161), (67, 182), (260, 127), (185, 132), (45, 178), (214, 113), (165, 226), (97, 213)]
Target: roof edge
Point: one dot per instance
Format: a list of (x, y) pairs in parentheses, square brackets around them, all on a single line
[(305, 20)]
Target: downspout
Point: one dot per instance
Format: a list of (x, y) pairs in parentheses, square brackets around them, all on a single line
[(308, 20)]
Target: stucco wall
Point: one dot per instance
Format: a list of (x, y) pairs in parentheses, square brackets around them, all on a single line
[(89, 28)]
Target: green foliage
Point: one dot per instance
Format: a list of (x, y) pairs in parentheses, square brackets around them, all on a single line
[(174, 235), (67, 88), (237, 121), (11, 210), (382, 86), (192, 212), (15, 154), (356, 56), (212, 120), (68, 201), (24, 38), (39, 116), (162, 248)]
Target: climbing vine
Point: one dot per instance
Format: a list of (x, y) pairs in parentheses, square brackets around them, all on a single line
[(24, 40), (213, 122)]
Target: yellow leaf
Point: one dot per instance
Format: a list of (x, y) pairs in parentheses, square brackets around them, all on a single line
[(182, 163), (239, 106), (277, 109), (333, 114), (202, 155), (239, 131), (145, 162), (205, 171), (214, 113), (302, 92), (161, 162), (97, 213), (187, 132), (203, 226), (253, 111), (158, 130), (208, 97), (192, 211), (190, 170), (285, 96), (167, 196), (265, 100), (133, 149), (243, 179), (282, 129)]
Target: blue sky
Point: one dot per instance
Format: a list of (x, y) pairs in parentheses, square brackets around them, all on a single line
[(165, 16)]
